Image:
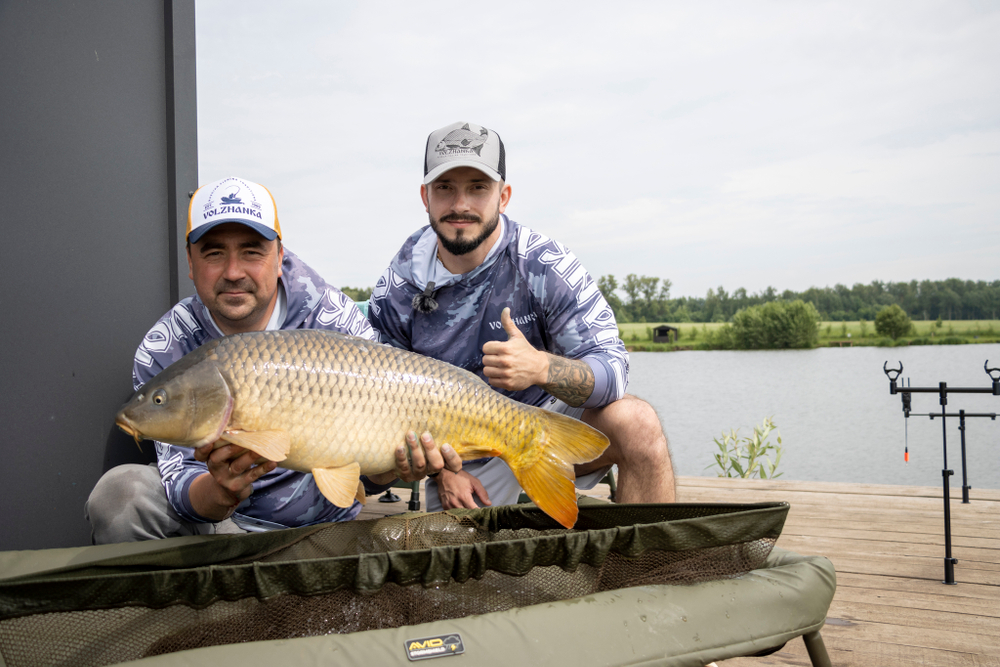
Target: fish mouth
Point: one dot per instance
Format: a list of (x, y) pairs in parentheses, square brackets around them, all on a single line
[(122, 423)]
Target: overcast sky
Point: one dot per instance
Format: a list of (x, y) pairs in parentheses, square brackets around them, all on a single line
[(741, 144)]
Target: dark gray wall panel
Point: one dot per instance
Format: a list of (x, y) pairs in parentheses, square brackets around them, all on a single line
[(85, 263)]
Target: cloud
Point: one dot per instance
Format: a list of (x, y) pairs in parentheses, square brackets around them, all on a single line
[(777, 143)]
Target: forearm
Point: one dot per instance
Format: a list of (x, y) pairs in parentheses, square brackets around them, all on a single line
[(569, 380), (209, 499)]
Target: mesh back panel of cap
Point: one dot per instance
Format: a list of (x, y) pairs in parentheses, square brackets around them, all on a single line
[(364, 575)]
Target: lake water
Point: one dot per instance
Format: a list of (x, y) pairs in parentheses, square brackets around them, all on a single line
[(832, 407)]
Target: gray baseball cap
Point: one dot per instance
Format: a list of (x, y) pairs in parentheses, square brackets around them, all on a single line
[(464, 144)]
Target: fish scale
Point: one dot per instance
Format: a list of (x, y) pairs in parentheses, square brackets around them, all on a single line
[(319, 402), (277, 388)]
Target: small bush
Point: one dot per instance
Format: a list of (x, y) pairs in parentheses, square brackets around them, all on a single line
[(951, 340), (892, 321), (773, 325)]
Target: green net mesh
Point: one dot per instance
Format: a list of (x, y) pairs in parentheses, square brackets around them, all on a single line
[(364, 575)]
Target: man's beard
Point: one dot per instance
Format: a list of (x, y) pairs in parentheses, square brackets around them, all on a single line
[(461, 244)]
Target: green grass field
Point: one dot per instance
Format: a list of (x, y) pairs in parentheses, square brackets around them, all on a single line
[(638, 335)]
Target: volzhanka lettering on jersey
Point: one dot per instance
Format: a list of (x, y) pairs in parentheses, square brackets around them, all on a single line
[(233, 200)]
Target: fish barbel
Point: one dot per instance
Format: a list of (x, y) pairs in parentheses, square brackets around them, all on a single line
[(338, 406)]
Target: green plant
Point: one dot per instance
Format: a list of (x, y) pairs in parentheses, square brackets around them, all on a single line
[(938, 323), (864, 328), (774, 325), (892, 321), (748, 457)]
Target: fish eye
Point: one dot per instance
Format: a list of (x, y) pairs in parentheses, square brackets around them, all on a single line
[(159, 397)]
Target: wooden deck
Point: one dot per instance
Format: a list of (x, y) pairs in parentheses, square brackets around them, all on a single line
[(887, 544)]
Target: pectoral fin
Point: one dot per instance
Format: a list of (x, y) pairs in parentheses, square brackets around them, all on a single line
[(360, 495), (272, 445), (338, 485)]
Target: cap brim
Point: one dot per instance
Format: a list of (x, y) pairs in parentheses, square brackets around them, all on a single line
[(195, 235), (452, 164)]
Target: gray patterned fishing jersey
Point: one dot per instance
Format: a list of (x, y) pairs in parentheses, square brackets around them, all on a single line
[(552, 300), (283, 497)]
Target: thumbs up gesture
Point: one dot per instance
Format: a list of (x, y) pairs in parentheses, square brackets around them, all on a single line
[(514, 364)]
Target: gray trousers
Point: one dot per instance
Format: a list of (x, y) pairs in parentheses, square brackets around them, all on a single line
[(129, 505)]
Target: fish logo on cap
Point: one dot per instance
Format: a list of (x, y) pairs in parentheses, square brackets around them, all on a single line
[(464, 144), (463, 139)]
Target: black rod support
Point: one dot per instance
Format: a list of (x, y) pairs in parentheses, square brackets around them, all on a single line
[(942, 390), (965, 475), (949, 562)]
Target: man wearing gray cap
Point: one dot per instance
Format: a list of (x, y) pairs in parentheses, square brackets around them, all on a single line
[(245, 280), (480, 291)]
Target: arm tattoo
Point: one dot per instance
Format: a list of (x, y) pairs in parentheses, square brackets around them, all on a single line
[(570, 380)]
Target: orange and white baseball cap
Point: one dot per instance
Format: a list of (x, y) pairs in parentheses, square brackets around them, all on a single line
[(233, 199)]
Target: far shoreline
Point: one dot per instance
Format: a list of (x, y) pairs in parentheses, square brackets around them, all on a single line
[(638, 336)]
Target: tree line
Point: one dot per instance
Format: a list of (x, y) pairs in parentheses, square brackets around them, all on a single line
[(647, 299)]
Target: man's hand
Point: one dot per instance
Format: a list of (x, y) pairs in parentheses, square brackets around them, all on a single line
[(514, 364), (424, 459), (232, 471), (458, 490)]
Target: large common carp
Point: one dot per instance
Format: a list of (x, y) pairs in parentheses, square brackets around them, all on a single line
[(338, 406)]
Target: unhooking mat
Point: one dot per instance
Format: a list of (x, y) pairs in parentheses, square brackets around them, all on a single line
[(408, 574)]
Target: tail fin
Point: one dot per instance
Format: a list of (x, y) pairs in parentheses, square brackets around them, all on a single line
[(546, 472)]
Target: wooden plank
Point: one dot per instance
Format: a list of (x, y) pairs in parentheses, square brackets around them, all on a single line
[(836, 487), (907, 585), (854, 653), (920, 600), (912, 617), (719, 484), (983, 558), (850, 530), (927, 569), (873, 505), (927, 637)]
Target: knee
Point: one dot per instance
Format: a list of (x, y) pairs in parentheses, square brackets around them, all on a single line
[(633, 427), (632, 418), (642, 416), (119, 486), (119, 496)]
